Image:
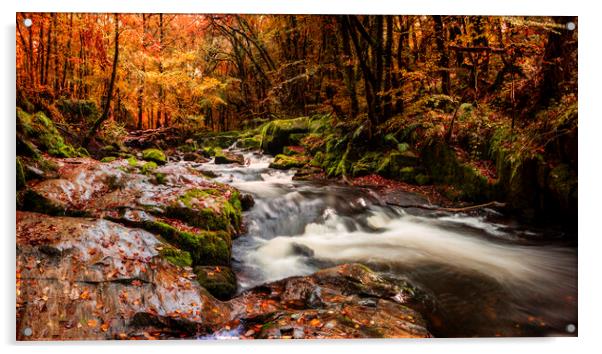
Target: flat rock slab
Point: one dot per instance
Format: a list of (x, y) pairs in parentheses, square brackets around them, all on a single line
[(80, 278)]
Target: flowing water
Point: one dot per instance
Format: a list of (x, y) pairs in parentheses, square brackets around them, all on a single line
[(482, 275)]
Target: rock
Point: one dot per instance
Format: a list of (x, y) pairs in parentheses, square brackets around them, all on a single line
[(284, 162), (38, 131), (108, 159), (246, 201), (309, 173), (103, 281), (277, 134), (193, 156), (301, 250), (155, 155), (253, 143), (347, 301), (219, 281), (186, 209), (226, 157), (293, 150)]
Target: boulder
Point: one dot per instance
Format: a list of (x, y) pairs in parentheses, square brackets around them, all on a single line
[(192, 213), (347, 301), (155, 155), (285, 162), (219, 281), (94, 279), (227, 157), (277, 134)]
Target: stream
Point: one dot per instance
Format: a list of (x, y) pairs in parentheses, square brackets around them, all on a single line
[(484, 275)]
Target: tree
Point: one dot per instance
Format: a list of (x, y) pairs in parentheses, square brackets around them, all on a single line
[(107, 104)]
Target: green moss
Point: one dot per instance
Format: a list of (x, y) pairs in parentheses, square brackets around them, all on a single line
[(210, 151), (422, 179), (160, 178), (20, 174), (205, 247), (154, 155), (284, 162), (176, 256), (249, 143), (78, 110), (132, 161), (226, 216), (108, 159), (367, 164), (277, 134), (148, 167), (42, 131), (222, 157), (219, 281), (33, 201)]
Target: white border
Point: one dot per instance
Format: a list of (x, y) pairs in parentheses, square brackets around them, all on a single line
[(590, 152)]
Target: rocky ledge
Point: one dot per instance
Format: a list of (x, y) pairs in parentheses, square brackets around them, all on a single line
[(128, 249)]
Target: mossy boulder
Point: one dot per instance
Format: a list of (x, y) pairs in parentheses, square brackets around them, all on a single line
[(204, 247), (227, 157), (78, 110), (210, 209), (148, 167), (209, 151), (176, 256), (220, 281), (446, 168), (221, 139), (284, 162), (252, 143), (293, 150), (155, 155), (277, 134), (40, 131), (398, 165)]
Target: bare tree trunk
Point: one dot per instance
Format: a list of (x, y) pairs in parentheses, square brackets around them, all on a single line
[(105, 112), (443, 56), (143, 79)]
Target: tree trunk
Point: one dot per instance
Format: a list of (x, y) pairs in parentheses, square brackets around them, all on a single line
[(143, 79), (105, 111), (556, 65), (443, 57)]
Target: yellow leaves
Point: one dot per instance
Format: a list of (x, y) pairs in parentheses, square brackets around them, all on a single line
[(85, 295)]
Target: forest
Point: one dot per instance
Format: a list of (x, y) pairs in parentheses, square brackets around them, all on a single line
[(179, 174)]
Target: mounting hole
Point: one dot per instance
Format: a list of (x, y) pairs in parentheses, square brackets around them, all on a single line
[(570, 26), (27, 331), (27, 22), (570, 328)]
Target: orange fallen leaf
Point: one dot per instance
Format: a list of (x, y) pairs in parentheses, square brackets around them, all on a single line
[(105, 326), (92, 323)]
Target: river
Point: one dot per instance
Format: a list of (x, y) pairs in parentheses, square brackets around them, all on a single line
[(471, 275)]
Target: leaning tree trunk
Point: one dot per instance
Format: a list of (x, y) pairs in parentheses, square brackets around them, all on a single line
[(105, 112)]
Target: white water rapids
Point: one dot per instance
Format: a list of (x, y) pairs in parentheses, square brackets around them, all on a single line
[(480, 272)]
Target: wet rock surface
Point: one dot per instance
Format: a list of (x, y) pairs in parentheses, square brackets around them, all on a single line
[(347, 301), (80, 278), (128, 249)]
